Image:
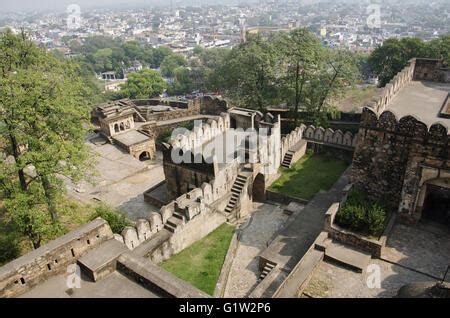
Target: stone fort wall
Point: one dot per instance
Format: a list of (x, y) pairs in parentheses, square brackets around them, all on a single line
[(27, 271), (391, 152)]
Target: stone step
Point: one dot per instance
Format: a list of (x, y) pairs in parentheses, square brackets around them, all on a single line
[(322, 242), (348, 257), (170, 228), (178, 215), (235, 191), (173, 221), (239, 183)]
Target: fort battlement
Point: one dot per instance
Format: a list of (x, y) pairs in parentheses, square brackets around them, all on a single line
[(31, 269)]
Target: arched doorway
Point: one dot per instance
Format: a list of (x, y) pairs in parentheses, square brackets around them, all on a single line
[(434, 200), (144, 156), (259, 188), (116, 128)]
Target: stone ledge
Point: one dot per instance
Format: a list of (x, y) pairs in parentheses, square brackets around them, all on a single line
[(155, 278)]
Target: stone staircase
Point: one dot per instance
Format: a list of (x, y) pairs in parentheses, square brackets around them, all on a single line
[(268, 267), (174, 221), (344, 255), (236, 191), (287, 160), (347, 256)]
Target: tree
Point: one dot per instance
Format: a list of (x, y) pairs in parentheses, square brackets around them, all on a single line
[(170, 63), (143, 84), (158, 55), (247, 75), (300, 60), (311, 75), (390, 58), (44, 117)]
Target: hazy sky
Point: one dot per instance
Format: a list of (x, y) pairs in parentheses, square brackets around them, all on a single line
[(61, 5)]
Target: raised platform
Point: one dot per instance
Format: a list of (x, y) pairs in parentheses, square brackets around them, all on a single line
[(348, 257), (101, 261), (130, 138), (422, 99)]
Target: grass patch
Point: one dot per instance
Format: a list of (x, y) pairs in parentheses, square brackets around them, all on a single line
[(309, 175), (200, 264)]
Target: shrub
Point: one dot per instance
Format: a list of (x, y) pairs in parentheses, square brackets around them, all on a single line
[(351, 215), (117, 221), (376, 218), (9, 248), (360, 214)]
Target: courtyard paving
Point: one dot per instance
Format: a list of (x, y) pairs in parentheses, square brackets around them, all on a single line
[(413, 253), (120, 181), (332, 281), (265, 222)]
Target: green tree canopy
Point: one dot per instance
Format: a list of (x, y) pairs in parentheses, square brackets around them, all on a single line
[(143, 84), (170, 63), (45, 115), (391, 57)]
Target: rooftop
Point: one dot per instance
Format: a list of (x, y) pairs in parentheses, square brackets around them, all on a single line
[(422, 99), (131, 137)]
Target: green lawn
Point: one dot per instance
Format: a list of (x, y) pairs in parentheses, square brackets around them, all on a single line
[(200, 264), (309, 175)]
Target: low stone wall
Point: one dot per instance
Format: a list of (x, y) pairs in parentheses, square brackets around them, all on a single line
[(154, 194), (223, 277), (27, 271), (372, 246), (283, 198), (155, 278)]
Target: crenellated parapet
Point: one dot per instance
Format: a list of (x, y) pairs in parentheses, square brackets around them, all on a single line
[(320, 135), (388, 120), (403, 78), (186, 207), (201, 134)]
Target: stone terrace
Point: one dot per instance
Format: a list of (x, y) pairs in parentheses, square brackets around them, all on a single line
[(423, 99)]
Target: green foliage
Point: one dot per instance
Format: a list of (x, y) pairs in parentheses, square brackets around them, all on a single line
[(291, 68), (352, 216), (9, 248), (170, 63), (143, 84), (116, 220), (376, 219), (45, 116), (360, 214), (390, 58), (104, 53)]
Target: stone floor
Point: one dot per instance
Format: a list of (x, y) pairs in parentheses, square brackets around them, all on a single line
[(332, 281), (121, 180), (115, 285), (424, 247), (266, 220), (419, 253)]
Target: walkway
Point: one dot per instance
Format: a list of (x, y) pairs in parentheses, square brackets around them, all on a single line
[(266, 220)]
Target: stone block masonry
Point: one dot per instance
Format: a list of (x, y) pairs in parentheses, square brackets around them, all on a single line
[(396, 155), (53, 258)]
